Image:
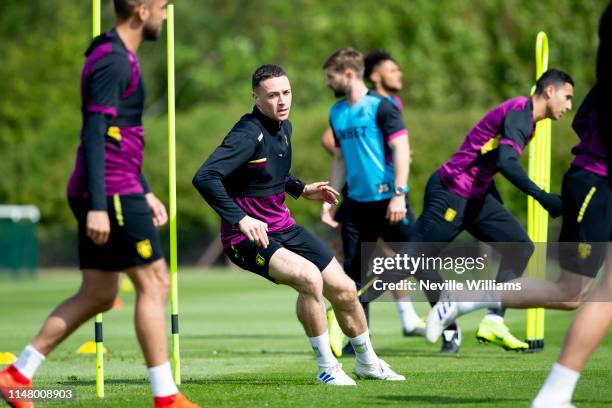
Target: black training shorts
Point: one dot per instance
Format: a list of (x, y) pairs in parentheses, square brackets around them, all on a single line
[(587, 221), (133, 239), (296, 239)]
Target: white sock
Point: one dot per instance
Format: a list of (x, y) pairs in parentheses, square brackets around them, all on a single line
[(467, 307), (558, 387), (28, 362), (363, 348), (493, 317), (161, 380), (320, 345), (408, 316)]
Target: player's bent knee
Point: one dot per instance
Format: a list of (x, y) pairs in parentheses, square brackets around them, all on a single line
[(570, 305), (527, 248), (310, 282), (152, 279), (345, 296), (100, 302)]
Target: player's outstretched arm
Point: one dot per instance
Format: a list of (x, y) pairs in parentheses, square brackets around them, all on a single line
[(337, 179), (509, 166)]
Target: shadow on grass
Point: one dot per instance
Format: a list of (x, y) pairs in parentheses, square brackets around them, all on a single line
[(435, 353), (450, 401), (251, 381), (239, 336), (251, 353), (84, 383)]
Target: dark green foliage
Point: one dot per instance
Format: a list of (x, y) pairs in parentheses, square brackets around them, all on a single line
[(459, 59)]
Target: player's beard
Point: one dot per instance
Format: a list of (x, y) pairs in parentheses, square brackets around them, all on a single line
[(339, 93), (151, 32), (390, 89)]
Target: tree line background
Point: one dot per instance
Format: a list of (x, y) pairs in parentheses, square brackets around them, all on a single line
[(459, 58)]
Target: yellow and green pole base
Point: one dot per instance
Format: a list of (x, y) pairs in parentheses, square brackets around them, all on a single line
[(537, 217), (99, 357)]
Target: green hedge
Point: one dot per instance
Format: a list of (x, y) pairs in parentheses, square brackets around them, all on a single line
[(460, 58)]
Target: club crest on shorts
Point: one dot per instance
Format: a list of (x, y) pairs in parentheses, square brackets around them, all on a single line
[(584, 250), (450, 214), (259, 260), (144, 248)]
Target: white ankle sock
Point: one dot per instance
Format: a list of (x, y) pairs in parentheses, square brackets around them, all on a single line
[(408, 316), (28, 362), (467, 307), (558, 387), (320, 345), (363, 348), (494, 318), (161, 380)]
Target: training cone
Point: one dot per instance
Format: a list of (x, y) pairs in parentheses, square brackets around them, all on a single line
[(126, 286), (117, 304), (7, 358), (89, 348)]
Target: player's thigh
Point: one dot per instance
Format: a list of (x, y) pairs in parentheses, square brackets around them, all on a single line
[(368, 221), (575, 286), (99, 286), (335, 281), (494, 223), (300, 241), (150, 277), (350, 238), (442, 216), (250, 257)]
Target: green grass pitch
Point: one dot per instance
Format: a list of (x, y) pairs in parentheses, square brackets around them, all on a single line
[(241, 345)]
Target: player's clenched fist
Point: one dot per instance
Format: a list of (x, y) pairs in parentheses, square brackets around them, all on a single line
[(98, 227), (255, 230)]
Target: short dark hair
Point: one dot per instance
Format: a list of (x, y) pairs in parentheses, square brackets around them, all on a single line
[(264, 72), (125, 8), (604, 59), (554, 77), (345, 58), (373, 60)]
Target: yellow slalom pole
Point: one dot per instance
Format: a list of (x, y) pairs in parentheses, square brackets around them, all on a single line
[(176, 357), (537, 217), (99, 356), (96, 19)]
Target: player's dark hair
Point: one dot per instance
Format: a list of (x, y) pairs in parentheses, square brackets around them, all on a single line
[(554, 77), (264, 72), (343, 59), (604, 84), (373, 60), (604, 59), (125, 8)]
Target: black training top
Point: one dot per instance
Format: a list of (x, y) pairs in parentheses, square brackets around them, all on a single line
[(109, 158), (248, 174)]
